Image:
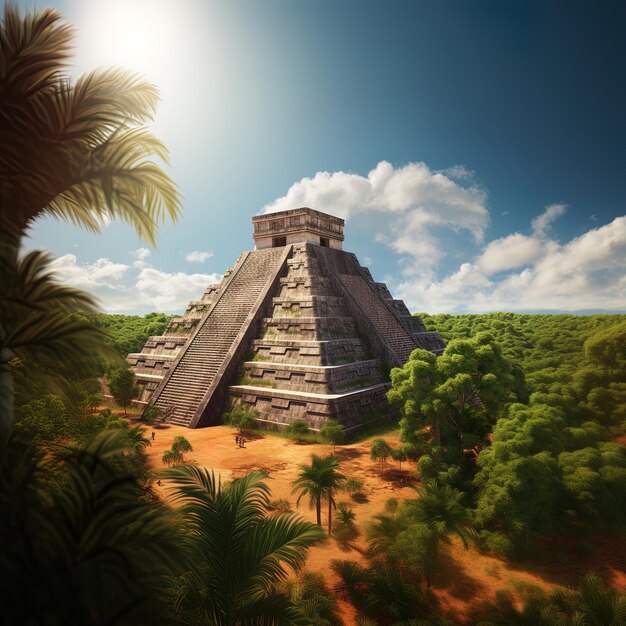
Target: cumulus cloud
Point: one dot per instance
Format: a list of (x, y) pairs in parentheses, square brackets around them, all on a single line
[(101, 273), (541, 224), (137, 288), (417, 200), (508, 253), (171, 291), (586, 273), (197, 256)]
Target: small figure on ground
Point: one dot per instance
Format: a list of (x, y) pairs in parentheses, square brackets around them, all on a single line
[(237, 441), (153, 434), (159, 482), (242, 442)]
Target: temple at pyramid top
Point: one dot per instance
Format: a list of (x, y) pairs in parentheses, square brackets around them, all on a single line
[(297, 329), (303, 225)]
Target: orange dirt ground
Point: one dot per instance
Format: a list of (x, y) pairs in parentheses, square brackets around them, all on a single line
[(469, 577)]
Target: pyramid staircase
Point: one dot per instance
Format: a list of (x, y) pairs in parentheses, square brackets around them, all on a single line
[(298, 331)]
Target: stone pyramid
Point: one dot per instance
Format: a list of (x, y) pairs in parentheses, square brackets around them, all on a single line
[(297, 329)]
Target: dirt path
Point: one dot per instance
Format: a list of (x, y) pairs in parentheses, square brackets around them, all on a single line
[(469, 577)]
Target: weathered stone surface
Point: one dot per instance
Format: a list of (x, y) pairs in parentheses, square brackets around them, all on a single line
[(296, 331)]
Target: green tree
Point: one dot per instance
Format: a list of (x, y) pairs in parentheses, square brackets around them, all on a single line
[(80, 152), (38, 324), (170, 457), (79, 539), (380, 450), (399, 453), (181, 445), (242, 554), (76, 152), (457, 395), (440, 511), (319, 480), (122, 386), (332, 432), (137, 438)]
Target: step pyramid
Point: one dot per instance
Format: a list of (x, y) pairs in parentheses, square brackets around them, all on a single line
[(297, 329)]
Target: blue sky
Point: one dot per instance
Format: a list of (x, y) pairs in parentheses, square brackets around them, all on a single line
[(476, 149)]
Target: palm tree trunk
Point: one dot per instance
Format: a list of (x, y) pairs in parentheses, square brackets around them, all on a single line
[(7, 399), (330, 514), (318, 510)]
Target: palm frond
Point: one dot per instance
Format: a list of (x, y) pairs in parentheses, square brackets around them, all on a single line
[(33, 51)]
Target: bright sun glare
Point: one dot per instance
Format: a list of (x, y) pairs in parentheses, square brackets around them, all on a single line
[(140, 35)]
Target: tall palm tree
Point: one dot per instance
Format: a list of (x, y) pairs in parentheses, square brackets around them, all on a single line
[(80, 152), (242, 553), (319, 480), (38, 322)]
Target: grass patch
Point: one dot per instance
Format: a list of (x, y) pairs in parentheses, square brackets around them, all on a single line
[(255, 382), (384, 425), (309, 437)]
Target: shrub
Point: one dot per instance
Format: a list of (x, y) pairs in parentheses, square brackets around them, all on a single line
[(297, 428)]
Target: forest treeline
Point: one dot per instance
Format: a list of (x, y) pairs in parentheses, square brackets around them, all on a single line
[(536, 449)]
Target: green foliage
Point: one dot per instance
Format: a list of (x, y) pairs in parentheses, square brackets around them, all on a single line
[(129, 333), (242, 417), (297, 429), (353, 485), (240, 553), (457, 395), (591, 604), (310, 594), (319, 481), (381, 591), (380, 450), (122, 386), (79, 538), (595, 479), (332, 432)]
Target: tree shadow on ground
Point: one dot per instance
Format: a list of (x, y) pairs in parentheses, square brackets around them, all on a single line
[(566, 560), (348, 454), (404, 478), (454, 580)]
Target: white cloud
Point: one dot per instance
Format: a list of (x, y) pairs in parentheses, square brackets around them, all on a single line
[(586, 273), (197, 256), (140, 255), (171, 291), (136, 288), (101, 273), (508, 253), (418, 201), (541, 224)]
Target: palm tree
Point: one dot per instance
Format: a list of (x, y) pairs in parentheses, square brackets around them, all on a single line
[(598, 604), (80, 543), (137, 438), (319, 480), (38, 323), (439, 508), (79, 152), (171, 457), (242, 554)]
